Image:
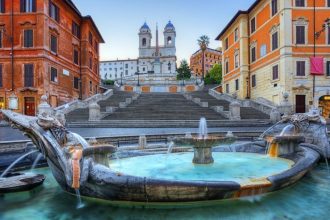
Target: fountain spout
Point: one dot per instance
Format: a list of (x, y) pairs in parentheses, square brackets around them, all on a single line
[(202, 130)]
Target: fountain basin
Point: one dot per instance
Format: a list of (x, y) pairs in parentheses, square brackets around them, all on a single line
[(115, 185)]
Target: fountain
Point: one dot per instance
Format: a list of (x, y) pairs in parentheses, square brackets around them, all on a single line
[(153, 177), (203, 143)]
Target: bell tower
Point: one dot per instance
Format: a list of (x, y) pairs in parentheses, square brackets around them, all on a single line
[(145, 36), (169, 35)]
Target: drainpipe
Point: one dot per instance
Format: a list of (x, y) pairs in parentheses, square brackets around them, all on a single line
[(12, 45), (80, 65), (248, 86), (314, 15)]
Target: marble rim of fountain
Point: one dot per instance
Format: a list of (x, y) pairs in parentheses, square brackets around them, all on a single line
[(207, 190), (198, 142)]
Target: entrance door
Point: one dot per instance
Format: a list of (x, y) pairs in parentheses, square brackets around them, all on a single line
[(300, 103), (29, 106)]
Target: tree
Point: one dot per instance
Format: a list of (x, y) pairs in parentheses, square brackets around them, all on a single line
[(203, 43), (214, 76), (184, 71)]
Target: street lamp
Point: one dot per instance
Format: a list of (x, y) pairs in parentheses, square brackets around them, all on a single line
[(121, 79), (324, 27), (138, 82), (196, 80)]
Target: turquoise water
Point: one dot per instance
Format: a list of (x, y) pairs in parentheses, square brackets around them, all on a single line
[(308, 199), (239, 167)]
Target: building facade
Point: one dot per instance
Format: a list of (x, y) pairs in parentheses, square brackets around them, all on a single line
[(211, 57), (267, 51), (46, 47), (116, 69), (159, 60)]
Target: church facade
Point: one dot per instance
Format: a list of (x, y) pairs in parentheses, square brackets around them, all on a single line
[(158, 59)]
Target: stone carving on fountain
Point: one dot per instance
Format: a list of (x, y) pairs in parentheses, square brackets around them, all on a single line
[(62, 148), (308, 129)]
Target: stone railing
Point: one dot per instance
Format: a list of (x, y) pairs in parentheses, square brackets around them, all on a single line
[(256, 104), (71, 106)]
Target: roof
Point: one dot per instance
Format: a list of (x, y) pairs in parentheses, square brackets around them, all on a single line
[(145, 26), (240, 12), (88, 17), (169, 25), (113, 61), (218, 51)]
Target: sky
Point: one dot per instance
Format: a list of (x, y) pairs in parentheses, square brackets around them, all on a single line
[(119, 22)]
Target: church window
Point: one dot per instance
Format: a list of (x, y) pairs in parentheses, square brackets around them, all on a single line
[(169, 40), (144, 42), (169, 66)]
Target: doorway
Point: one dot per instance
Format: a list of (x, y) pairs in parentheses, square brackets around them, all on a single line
[(300, 103), (29, 106)]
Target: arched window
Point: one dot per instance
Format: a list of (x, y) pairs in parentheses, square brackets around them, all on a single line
[(144, 42), (169, 66), (169, 40)]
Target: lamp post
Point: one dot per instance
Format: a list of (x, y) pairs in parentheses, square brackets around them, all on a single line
[(121, 79), (247, 88), (196, 80)]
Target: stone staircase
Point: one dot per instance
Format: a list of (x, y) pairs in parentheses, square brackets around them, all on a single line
[(165, 110), (108, 106), (163, 106), (246, 112)]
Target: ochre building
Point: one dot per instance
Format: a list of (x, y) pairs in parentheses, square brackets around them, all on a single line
[(211, 57), (46, 47), (267, 51)]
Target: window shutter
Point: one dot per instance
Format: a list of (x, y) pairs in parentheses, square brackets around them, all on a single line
[(328, 68), (30, 38), (25, 38), (1, 75), (57, 14), (49, 8), (34, 6), (300, 34), (0, 39), (328, 35), (73, 28), (22, 5), (3, 6)]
